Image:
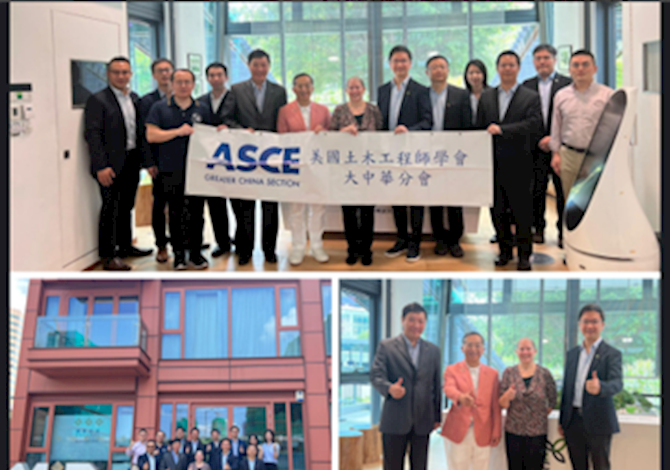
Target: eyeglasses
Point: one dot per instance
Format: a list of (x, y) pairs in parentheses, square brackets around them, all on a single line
[(164, 70), (590, 322), (120, 72)]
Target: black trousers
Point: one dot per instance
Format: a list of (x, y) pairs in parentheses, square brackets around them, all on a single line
[(525, 452), (455, 217), (514, 196), (158, 213), (543, 172), (582, 446), (219, 215), (395, 447), (186, 213), (245, 213), (416, 219), (359, 225), (118, 200)]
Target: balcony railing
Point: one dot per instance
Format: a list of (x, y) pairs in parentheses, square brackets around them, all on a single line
[(91, 331)]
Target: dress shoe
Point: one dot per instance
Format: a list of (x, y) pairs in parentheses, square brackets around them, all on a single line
[(270, 258), (523, 265), (351, 259), (456, 250), (197, 261), (366, 259), (115, 264), (538, 238), (320, 254), (440, 248), (296, 256), (396, 250), (180, 261), (503, 259), (243, 259), (413, 253), (220, 251), (162, 255), (134, 252)]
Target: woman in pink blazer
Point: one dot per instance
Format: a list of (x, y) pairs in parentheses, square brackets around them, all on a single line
[(473, 424), (299, 116)]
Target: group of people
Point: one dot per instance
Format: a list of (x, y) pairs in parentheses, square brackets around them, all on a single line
[(540, 128), (182, 453), (406, 372)]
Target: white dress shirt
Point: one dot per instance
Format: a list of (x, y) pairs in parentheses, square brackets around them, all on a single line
[(306, 114), (152, 462), (585, 361), (544, 89), (216, 102), (474, 374), (129, 116), (439, 104), (504, 99)]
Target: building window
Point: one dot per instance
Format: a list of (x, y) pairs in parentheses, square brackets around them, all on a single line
[(211, 12), (254, 323), (124, 426), (250, 420), (171, 347), (289, 311), (355, 321), (53, 306), (166, 420), (78, 306), (210, 418), (82, 434), (206, 324), (182, 416), (40, 425), (298, 437), (327, 308), (143, 44)]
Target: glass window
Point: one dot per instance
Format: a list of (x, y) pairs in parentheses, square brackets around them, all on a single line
[(289, 312), (211, 36), (289, 342), (618, 46), (166, 420), (34, 458), (209, 418), (241, 46), (124, 426), (142, 42), (103, 306), (327, 307), (241, 12), (82, 434), (120, 461), (433, 303), (53, 305), (250, 420), (171, 314), (355, 316), (298, 437), (206, 324), (182, 417), (38, 436), (281, 435), (129, 305), (78, 306), (355, 405), (254, 322), (171, 347)]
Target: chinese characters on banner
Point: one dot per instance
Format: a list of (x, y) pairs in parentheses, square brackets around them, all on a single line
[(334, 168)]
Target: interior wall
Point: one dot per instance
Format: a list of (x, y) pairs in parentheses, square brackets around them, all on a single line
[(189, 34), (35, 215), (569, 24), (403, 292)]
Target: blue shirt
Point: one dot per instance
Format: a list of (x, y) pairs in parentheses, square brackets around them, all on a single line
[(544, 89), (585, 361), (268, 452), (413, 350), (504, 99), (259, 93), (166, 114), (175, 456), (397, 96), (235, 446), (439, 104)]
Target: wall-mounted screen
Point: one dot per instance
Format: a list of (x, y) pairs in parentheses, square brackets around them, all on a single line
[(88, 78)]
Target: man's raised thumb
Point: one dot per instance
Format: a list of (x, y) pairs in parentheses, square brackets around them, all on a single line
[(595, 375)]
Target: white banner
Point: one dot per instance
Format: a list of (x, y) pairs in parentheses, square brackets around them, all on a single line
[(333, 168)]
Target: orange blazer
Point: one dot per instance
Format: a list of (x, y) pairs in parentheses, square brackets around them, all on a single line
[(290, 118), (486, 412)]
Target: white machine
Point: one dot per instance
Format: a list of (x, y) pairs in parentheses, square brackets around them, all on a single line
[(605, 228)]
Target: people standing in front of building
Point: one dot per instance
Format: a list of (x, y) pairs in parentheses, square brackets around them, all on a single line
[(270, 450), (161, 445), (238, 446), (251, 461), (592, 376), (150, 459), (254, 104), (451, 112), (546, 83), (217, 76), (302, 218), (161, 70), (193, 445), (169, 125), (406, 373), (137, 448), (112, 132), (174, 459), (473, 423), (577, 110), (357, 115), (405, 106), (513, 116), (528, 392)]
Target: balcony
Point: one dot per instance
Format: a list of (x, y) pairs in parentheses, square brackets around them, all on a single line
[(92, 345)]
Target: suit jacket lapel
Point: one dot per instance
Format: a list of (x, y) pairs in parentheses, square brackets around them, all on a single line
[(596, 358), (511, 103), (112, 97), (400, 344), (251, 94), (404, 98), (266, 98), (496, 104)]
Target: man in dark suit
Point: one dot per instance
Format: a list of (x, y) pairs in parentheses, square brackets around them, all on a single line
[(546, 83), (213, 447), (173, 459), (405, 106), (451, 111), (254, 104), (115, 144), (161, 69), (193, 445), (180, 436), (217, 75), (238, 446), (406, 372), (250, 462), (223, 458), (512, 115), (150, 460), (591, 378)]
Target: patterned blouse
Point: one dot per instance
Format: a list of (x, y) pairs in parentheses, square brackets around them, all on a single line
[(527, 412), (342, 117)]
